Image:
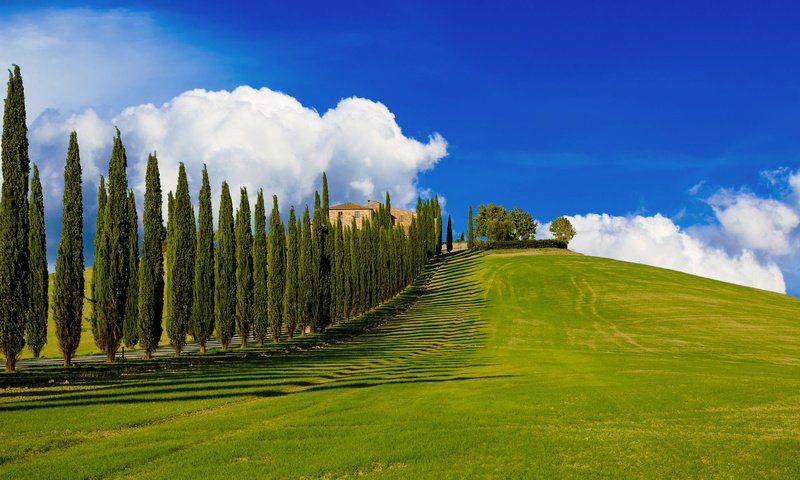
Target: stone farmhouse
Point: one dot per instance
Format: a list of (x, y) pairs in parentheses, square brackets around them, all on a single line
[(350, 210)]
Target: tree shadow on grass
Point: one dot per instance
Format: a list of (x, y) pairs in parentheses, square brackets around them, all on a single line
[(426, 334)]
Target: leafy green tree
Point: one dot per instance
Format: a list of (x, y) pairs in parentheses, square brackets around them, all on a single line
[(168, 254), (260, 290), (276, 251), (523, 224), (130, 325), (449, 234), (470, 230), (14, 254), (113, 274), (201, 324), (305, 275), (320, 310), (325, 196), (244, 268), (68, 283), (562, 229), (493, 223), (291, 307), (181, 249), (225, 271), (36, 322), (151, 265)]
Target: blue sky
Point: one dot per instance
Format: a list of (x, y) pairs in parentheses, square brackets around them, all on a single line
[(557, 107)]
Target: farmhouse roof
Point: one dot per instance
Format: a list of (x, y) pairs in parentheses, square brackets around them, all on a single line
[(349, 206)]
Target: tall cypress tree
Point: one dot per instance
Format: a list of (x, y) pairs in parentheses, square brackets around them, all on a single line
[(319, 307), (291, 312), (151, 266), (305, 274), (439, 225), (260, 274), (355, 270), (102, 198), (112, 277), (130, 327), (14, 253), (470, 231), (449, 234), (36, 322), (201, 324), (181, 268), (347, 291), (68, 282), (325, 197), (244, 268), (276, 250), (168, 255), (225, 271), (338, 275)]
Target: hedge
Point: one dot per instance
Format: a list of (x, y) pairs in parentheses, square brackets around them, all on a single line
[(547, 243)]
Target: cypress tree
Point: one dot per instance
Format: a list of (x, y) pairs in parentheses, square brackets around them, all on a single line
[(276, 249), (102, 198), (449, 234), (470, 231), (340, 300), (201, 324), (36, 322), (355, 263), (225, 271), (244, 268), (261, 314), (335, 294), (181, 249), (14, 252), (347, 290), (305, 274), (325, 197), (68, 282), (290, 294), (151, 266), (439, 225), (168, 255), (130, 327), (112, 277), (319, 306)]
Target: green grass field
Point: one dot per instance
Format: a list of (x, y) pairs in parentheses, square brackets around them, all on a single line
[(501, 365)]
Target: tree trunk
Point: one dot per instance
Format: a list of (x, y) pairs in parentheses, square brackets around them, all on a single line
[(67, 361), (110, 357), (36, 353), (11, 363), (148, 354), (203, 347)]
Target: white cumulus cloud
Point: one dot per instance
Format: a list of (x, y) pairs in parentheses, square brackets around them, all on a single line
[(656, 240)]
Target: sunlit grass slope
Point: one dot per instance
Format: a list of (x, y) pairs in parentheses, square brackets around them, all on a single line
[(499, 366)]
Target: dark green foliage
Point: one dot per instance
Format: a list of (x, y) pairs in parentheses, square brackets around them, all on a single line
[(522, 223), (168, 254), (338, 275), (508, 244), (244, 268), (562, 229), (181, 247), (320, 310), (201, 324), (14, 253), (493, 223), (305, 274), (36, 321), (225, 271), (325, 197), (449, 234), (276, 250), (261, 314), (439, 225), (470, 230), (130, 330), (291, 306), (151, 265), (102, 198), (68, 282), (355, 270), (112, 274)]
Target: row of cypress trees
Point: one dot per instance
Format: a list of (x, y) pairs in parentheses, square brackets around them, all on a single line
[(268, 282)]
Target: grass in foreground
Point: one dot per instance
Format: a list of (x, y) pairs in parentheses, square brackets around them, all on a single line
[(507, 365)]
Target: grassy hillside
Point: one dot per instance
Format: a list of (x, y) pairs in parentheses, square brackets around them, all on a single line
[(501, 365)]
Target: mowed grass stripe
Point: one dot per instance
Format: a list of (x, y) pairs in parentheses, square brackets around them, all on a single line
[(494, 366)]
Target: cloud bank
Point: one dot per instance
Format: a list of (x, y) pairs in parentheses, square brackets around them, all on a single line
[(656, 240)]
